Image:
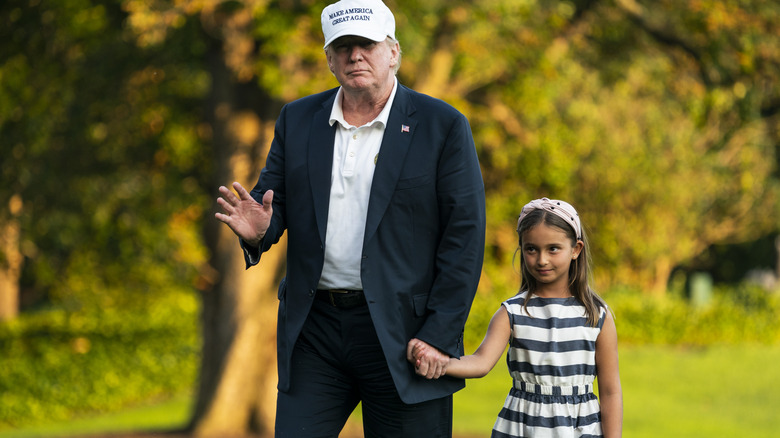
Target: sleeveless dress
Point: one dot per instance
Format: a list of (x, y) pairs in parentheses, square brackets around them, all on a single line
[(552, 361)]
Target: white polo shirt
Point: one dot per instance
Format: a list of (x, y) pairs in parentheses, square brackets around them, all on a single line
[(355, 153)]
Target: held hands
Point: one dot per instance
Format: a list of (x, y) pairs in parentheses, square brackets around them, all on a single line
[(428, 361), (246, 217)]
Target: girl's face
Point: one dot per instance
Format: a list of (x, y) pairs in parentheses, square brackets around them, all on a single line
[(547, 253)]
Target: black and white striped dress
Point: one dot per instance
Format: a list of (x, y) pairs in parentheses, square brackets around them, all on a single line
[(552, 361)]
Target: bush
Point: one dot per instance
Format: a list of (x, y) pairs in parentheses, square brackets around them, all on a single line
[(57, 364), (735, 315)]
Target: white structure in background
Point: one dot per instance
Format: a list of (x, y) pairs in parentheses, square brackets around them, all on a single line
[(767, 278)]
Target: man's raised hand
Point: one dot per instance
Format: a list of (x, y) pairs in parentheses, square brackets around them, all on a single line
[(246, 217)]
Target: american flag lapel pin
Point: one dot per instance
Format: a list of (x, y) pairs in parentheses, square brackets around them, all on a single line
[(404, 128)]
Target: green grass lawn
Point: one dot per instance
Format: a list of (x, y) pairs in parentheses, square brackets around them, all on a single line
[(668, 392), (715, 392), (171, 414)]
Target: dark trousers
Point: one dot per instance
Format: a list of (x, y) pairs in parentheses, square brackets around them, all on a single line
[(337, 363)]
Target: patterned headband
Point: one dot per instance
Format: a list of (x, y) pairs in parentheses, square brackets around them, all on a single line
[(562, 209)]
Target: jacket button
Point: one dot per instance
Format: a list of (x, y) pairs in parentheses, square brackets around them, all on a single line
[(311, 292)]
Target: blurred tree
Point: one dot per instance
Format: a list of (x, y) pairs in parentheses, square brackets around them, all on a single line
[(657, 119), (260, 54), (11, 262), (99, 146)]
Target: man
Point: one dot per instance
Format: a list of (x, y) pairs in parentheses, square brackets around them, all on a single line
[(380, 191)]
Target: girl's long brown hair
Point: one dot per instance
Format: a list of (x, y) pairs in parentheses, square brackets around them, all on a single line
[(579, 269)]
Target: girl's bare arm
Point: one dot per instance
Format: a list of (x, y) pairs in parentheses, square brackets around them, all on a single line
[(489, 351), (608, 374)]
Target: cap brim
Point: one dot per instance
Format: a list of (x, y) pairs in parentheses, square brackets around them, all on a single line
[(373, 35)]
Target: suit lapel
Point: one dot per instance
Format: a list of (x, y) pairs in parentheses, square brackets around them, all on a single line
[(392, 154), (320, 162)]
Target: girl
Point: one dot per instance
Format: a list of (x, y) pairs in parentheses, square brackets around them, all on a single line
[(560, 333)]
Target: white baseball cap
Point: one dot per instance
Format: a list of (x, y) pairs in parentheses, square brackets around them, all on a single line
[(365, 18)]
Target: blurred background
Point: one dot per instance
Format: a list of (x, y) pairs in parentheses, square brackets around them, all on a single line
[(658, 120)]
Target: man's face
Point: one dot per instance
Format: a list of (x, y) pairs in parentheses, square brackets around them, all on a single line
[(360, 64)]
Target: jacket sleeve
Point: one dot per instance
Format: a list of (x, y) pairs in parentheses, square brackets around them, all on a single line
[(271, 178), (461, 203)]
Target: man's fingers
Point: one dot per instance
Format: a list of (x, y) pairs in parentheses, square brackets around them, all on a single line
[(439, 371), (412, 348), (442, 371), (225, 205), (268, 199), (428, 367), (428, 361), (242, 193), (423, 368), (228, 196), (409, 349)]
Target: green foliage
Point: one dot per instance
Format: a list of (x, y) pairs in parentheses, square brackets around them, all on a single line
[(635, 162), (735, 315), (742, 314), (634, 113), (56, 365), (103, 143)]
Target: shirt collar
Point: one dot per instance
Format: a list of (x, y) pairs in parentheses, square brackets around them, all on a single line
[(337, 113)]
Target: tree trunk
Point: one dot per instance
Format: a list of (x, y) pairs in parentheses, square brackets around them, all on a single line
[(236, 393), (238, 368), (10, 269), (662, 271), (10, 261)]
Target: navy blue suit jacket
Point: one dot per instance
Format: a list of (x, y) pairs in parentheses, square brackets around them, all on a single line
[(425, 229)]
